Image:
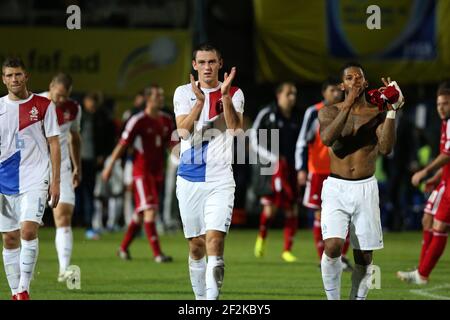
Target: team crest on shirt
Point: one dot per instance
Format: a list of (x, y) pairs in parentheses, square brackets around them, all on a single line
[(34, 114)]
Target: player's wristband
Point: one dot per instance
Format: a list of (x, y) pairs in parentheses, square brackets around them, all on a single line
[(391, 114)]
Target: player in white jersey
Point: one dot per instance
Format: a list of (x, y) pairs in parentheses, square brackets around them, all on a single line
[(205, 183), (28, 130), (68, 112)]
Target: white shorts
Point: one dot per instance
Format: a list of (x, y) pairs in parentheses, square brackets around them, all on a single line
[(15, 209), (205, 205), (355, 205), (67, 192)]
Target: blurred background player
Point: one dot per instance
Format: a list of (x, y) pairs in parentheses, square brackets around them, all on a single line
[(29, 145), (280, 190), (313, 162), (149, 132), (436, 217), (68, 112), (205, 182), (128, 205), (97, 134)]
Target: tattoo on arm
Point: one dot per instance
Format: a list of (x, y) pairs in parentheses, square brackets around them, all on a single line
[(332, 122)]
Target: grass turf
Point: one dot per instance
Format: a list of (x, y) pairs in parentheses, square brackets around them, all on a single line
[(105, 276)]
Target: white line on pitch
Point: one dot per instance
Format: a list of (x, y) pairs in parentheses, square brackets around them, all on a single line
[(424, 292)]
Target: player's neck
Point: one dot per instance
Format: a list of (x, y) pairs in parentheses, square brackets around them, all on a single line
[(211, 85), (286, 112), (360, 102), (19, 96), (152, 112)]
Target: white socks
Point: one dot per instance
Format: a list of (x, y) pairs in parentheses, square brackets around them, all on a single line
[(214, 276), (360, 280), (197, 271), (28, 258), (115, 208), (64, 244), (128, 209), (331, 275), (11, 261)]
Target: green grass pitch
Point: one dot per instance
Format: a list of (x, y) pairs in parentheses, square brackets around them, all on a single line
[(105, 276)]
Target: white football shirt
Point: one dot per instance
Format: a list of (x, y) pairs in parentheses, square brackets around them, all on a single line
[(69, 118), (24, 152), (210, 158)]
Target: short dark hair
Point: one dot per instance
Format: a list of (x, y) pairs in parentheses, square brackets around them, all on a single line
[(350, 65), (96, 96), (64, 79), (443, 91), (206, 47), (281, 85), (148, 90), (330, 81), (444, 85), (13, 62)]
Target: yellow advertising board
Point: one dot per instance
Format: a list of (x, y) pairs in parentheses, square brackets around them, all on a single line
[(117, 62), (309, 40)]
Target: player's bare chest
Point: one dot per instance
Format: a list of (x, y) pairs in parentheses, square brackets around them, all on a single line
[(360, 123)]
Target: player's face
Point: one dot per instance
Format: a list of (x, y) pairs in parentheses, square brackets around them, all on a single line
[(207, 64), (15, 79), (160, 97), (58, 93), (156, 98), (287, 97), (353, 76), (89, 105), (332, 94), (138, 100), (443, 106)]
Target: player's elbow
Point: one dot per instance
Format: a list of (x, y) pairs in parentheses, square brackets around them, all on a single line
[(385, 150)]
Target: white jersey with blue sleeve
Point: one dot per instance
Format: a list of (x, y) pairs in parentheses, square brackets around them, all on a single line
[(209, 158), (25, 126)]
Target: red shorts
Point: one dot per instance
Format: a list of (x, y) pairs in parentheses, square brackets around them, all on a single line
[(438, 204), (284, 186), (312, 198), (146, 190)]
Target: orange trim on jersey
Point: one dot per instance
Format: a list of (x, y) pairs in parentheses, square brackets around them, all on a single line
[(318, 157)]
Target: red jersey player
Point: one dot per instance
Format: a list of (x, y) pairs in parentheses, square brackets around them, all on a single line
[(149, 133), (436, 218)]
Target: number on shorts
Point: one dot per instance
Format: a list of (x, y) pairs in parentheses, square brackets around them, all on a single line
[(41, 206)]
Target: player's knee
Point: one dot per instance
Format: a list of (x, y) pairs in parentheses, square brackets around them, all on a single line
[(317, 215), (427, 221), (439, 226), (197, 248), (290, 213), (333, 247), (363, 258), (215, 244), (137, 218), (28, 232), (269, 211), (11, 240)]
